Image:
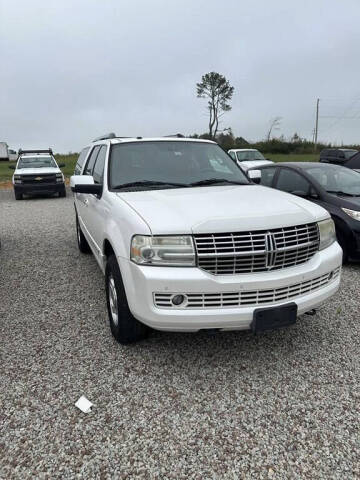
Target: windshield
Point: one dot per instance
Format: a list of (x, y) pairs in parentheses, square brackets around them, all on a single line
[(250, 155), (334, 178), (36, 162), (176, 162)]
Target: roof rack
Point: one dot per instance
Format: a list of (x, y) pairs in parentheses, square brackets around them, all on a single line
[(104, 137), (177, 135), (48, 150)]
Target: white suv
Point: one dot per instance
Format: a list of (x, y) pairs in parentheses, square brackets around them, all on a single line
[(187, 242)]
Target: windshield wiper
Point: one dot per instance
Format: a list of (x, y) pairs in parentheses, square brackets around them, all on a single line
[(214, 181), (345, 194), (149, 183)]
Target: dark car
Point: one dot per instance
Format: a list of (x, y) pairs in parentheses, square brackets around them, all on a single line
[(346, 157), (334, 187)]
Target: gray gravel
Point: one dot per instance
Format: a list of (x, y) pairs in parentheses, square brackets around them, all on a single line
[(177, 406)]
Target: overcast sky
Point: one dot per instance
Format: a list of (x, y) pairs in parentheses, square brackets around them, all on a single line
[(74, 69)]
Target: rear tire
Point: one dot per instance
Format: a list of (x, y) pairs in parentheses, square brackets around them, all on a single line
[(18, 196), (124, 326), (81, 240)]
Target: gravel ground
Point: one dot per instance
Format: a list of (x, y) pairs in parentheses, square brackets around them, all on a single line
[(177, 406)]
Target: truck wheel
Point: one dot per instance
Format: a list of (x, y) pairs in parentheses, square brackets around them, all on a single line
[(81, 240), (18, 196), (123, 325), (62, 193)]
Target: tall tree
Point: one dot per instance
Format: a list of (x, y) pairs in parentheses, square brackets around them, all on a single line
[(219, 92), (274, 125)]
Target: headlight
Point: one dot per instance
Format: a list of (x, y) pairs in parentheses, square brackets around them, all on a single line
[(59, 177), (327, 233), (352, 213), (174, 251), (17, 179)]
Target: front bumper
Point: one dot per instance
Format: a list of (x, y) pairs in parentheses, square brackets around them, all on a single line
[(33, 188), (141, 283)]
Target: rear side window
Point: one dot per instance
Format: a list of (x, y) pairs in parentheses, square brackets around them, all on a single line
[(98, 172), (81, 160), (290, 181), (91, 161), (267, 175)]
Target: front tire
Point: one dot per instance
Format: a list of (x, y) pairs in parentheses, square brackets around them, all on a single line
[(62, 193), (81, 240), (18, 196), (124, 326)]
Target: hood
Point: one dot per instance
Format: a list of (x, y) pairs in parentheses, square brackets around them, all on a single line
[(37, 171), (227, 208), (246, 164), (349, 202)]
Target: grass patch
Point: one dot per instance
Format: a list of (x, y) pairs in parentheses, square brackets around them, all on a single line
[(70, 161), (292, 157)]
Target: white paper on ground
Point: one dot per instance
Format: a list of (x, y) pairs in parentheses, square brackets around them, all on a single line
[(84, 404)]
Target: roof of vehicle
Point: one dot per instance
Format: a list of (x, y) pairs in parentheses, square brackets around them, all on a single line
[(243, 150), (40, 151), (118, 140), (35, 154), (341, 149), (303, 165)]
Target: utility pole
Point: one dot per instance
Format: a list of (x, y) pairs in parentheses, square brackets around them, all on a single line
[(316, 124)]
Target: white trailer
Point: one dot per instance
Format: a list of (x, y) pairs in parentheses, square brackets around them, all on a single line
[(4, 153)]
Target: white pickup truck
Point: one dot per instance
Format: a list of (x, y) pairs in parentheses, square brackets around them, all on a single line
[(187, 242), (248, 158), (37, 172)]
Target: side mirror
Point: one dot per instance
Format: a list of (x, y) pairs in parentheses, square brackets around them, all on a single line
[(12, 167), (61, 165), (254, 175), (85, 184)]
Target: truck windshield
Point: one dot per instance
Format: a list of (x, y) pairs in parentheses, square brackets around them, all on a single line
[(36, 162), (250, 155), (179, 163)]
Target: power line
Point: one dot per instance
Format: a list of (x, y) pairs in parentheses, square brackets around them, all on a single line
[(343, 116)]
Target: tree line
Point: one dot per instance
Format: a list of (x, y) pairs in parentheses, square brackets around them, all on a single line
[(218, 92)]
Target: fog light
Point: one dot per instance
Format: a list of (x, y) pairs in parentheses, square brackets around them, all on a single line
[(177, 300)]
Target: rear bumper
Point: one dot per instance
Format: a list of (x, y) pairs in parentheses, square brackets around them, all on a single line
[(142, 283), (34, 188)]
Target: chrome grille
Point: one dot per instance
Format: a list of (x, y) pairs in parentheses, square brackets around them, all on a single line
[(256, 251), (250, 298)]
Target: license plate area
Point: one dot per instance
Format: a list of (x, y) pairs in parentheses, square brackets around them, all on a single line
[(274, 318)]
